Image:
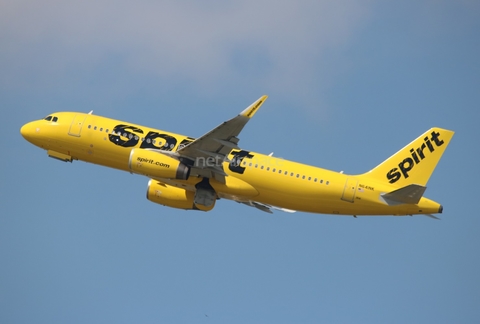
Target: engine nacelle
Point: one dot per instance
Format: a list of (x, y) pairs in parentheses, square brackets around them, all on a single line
[(157, 165), (174, 197)]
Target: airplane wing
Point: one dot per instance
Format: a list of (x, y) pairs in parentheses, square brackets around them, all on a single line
[(207, 153), (264, 207)]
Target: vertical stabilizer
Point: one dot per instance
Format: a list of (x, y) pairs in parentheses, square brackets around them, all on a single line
[(414, 163)]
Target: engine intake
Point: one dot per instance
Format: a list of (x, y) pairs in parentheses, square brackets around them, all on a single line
[(174, 197), (157, 165), (169, 196)]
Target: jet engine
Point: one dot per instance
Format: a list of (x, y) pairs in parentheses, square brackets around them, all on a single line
[(174, 197), (157, 165)]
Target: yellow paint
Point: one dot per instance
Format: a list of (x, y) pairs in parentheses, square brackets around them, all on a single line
[(253, 108), (266, 179)]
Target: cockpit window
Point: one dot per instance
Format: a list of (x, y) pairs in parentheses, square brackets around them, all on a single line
[(51, 118)]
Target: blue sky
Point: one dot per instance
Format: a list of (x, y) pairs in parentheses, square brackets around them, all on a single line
[(350, 82)]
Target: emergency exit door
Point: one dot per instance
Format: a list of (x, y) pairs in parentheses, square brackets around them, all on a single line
[(350, 190)]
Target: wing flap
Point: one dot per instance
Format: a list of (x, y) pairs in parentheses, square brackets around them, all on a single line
[(264, 207)]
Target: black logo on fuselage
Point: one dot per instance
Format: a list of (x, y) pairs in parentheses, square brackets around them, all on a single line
[(238, 156), (416, 156), (130, 136)]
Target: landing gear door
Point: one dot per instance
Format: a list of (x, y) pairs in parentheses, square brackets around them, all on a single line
[(77, 124), (350, 190)]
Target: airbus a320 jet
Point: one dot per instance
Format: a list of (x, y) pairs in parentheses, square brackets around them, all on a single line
[(193, 173)]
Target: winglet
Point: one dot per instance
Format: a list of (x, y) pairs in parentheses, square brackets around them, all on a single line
[(252, 109)]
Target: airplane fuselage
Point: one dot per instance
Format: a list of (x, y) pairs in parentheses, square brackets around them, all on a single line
[(249, 175)]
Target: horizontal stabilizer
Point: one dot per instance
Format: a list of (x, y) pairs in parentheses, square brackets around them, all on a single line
[(410, 194)]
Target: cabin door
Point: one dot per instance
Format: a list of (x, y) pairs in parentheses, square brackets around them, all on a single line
[(350, 190), (77, 124)]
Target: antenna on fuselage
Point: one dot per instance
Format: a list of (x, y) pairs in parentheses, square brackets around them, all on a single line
[(91, 111)]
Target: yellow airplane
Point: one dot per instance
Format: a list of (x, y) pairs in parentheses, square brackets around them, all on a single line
[(192, 174)]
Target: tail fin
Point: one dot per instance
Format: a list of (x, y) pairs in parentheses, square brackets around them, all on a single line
[(414, 163)]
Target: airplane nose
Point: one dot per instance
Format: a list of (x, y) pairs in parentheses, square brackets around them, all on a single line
[(27, 131), (24, 131)]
